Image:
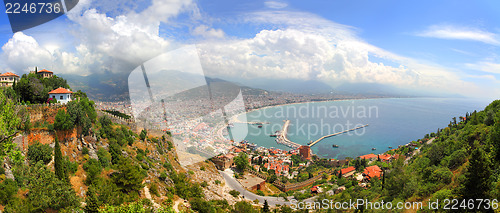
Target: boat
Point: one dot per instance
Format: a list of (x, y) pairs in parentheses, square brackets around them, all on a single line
[(335, 146), (260, 126), (374, 148), (390, 147)]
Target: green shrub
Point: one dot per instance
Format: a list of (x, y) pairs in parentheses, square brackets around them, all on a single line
[(8, 189), (93, 169), (85, 150), (234, 193), (104, 157), (39, 152)]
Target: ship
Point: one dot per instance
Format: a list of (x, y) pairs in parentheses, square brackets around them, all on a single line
[(335, 146), (374, 148)]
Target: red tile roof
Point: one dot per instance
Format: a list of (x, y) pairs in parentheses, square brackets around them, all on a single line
[(373, 171), (60, 90), (9, 74), (44, 70), (385, 157), (368, 156), (347, 170)]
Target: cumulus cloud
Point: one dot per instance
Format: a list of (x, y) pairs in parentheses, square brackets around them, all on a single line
[(311, 48), (22, 52), (460, 33), (101, 42), (207, 32)]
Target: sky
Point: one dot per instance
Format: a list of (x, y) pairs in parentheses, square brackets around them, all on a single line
[(445, 46)]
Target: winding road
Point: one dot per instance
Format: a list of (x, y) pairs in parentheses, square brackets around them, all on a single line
[(234, 184)]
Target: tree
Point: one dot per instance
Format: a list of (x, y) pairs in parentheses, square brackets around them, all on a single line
[(92, 201), (143, 135), (47, 191), (31, 89), (129, 176), (63, 121), (243, 207), (477, 177), (93, 169), (83, 114), (58, 161), (8, 189), (8, 119), (241, 161), (265, 208), (201, 205), (39, 152)]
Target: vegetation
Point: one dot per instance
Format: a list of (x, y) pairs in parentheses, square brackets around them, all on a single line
[(118, 113), (34, 89), (39, 152)]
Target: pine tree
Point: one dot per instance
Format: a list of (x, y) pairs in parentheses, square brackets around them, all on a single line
[(91, 201), (265, 208), (476, 184), (58, 161)]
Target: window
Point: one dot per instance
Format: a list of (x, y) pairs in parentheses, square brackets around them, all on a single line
[(61, 97), (53, 97)]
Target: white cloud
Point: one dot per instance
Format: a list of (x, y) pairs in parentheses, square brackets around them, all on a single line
[(22, 52), (207, 32), (100, 42), (485, 67), (275, 4), (309, 47), (460, 33)]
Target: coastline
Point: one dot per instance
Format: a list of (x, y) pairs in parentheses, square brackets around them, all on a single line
[(234, 118)]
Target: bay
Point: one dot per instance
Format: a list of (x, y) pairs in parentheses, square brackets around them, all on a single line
[(392, 122)]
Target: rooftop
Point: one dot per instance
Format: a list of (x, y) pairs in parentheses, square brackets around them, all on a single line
[(8, 74), (44, 70), (60, 90)]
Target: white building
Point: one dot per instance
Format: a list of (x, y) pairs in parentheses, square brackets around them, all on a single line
[(7, 79), (60, 94)]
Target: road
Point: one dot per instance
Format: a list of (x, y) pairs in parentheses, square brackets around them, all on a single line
[(234, 184), (418, 150)]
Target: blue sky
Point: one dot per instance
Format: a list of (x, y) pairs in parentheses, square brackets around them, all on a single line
[(443, 47)]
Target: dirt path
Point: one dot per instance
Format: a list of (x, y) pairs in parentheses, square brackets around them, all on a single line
[(148, 196)]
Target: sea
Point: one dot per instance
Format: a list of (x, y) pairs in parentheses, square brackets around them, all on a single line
[(391, 122)]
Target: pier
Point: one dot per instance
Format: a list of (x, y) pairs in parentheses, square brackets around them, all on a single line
[(251, 122), (282, 139), (338, 133)]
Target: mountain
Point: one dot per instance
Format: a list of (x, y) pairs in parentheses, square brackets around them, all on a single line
[(106, 86), (296, 86)]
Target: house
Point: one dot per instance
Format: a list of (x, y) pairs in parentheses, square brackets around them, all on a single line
[(371, 172), (62, 95), (347, 172), (369, 157), (315, 189), (386, 158), (7, 79), (44, 73)]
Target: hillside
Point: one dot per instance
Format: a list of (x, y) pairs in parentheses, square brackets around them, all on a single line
[(459, 162), (101, 164)]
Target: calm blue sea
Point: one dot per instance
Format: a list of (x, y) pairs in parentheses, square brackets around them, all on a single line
[(392, 122)]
